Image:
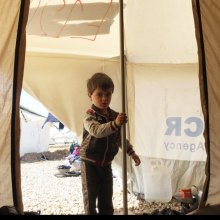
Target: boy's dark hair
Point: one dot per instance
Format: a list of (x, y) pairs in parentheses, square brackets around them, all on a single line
[(100, 80)]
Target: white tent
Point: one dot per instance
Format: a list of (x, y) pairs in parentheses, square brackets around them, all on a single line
[(34, 136), (68, 41)]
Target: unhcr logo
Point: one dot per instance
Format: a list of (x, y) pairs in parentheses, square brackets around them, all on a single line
[(186, 134), (192, 126)]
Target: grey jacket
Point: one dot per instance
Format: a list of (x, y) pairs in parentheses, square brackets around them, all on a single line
[(101, 137)]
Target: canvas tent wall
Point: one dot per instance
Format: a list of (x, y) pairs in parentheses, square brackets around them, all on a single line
[(163, 48), (13, 20)]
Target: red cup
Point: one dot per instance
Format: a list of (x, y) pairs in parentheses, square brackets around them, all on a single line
[(185, 193)]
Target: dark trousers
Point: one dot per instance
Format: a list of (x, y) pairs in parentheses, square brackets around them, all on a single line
[(97, 187)]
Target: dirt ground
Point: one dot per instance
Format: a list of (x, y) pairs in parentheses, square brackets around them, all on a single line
[(60, 152), (55, 152)]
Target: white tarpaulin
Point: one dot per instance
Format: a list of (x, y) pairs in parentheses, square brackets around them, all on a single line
[(169, 123), (34, 138), (88, 27)]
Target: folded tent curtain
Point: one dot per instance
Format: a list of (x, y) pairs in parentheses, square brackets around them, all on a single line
[(206, 17), (13, 19)]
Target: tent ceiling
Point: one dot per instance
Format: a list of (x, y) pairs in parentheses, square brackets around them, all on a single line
[(153, 34), (159, 31)]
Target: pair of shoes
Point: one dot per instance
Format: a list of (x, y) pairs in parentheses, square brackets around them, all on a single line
[(64, 167), (67, 174), (73, 173), (33, 213)]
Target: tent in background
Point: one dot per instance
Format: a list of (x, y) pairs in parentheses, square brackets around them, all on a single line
[(34, 137), (67, 42), (38, 132)]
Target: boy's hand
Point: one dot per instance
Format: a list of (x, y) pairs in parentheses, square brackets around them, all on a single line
[(121, 119), (136, 159)]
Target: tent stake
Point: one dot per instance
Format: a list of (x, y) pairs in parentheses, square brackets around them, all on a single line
[(123, 128)]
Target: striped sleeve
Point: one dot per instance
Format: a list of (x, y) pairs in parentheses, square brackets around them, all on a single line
[(130, 150)]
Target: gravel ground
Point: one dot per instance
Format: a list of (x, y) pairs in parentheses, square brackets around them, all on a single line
[(51, 195)]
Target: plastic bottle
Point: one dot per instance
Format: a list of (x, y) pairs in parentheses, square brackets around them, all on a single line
[(157, 182)]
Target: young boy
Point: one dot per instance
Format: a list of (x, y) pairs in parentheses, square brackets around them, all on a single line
[(101, 141)]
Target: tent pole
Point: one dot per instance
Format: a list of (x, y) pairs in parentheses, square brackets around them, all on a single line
[(123, 128)]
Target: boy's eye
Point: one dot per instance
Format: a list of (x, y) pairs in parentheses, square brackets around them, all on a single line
[(105, 95)]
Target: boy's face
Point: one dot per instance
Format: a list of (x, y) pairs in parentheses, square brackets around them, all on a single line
[(101, 98)]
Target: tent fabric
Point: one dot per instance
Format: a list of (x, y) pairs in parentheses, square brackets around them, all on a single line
[(7, 47), (51, 118), (165, 35), (33, 137), (61, 94), (17, 86), (98, 22), (13, 21), (78, 23), (206, 15), (177, 94), (177, 101)]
